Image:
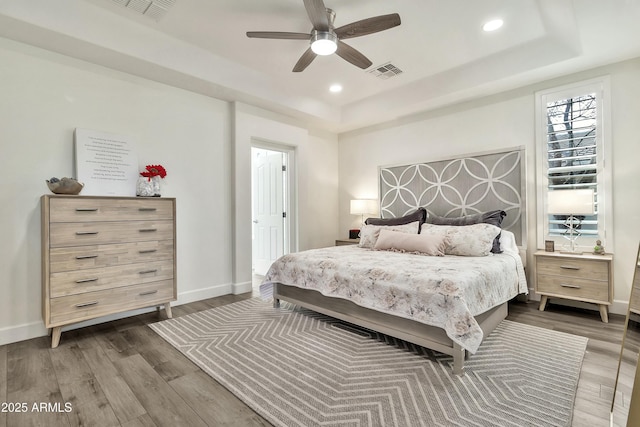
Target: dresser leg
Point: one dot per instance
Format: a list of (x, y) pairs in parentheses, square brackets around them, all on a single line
[(167, 309), (543, 302), (603, 313), (55, 336)]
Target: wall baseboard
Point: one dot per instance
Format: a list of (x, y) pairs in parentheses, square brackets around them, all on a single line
[(241, 288), (22, 332), (36, 329)]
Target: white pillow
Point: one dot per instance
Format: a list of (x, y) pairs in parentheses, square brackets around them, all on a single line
[(369, 233), (465, 240), (417, 243), (508, 242)]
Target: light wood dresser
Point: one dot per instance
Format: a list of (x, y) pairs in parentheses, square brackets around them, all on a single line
[(105, 255), (586, 277)]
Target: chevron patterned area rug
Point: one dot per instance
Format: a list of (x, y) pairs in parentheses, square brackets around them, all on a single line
[(295, 367)]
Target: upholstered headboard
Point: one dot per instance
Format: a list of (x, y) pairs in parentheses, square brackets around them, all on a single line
[(461, 186)]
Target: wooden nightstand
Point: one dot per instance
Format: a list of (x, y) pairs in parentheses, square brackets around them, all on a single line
[(343, 242), (587, 278)]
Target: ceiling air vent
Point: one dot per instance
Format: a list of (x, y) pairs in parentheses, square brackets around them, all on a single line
[(154, 9), (385, 71)]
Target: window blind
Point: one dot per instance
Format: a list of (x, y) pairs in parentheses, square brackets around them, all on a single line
[(572, 131)]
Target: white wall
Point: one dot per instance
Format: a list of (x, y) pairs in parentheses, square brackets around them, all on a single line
[(45, 96), (316, 168), (502, 121)]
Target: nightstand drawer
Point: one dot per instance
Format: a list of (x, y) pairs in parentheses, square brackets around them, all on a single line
[(83, 209), (579, 277), (573, 267), (345, 242), (571, 287)]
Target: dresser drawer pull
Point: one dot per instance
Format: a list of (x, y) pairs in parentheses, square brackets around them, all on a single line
[(147, 209), (566, 285), (94, 279), (569, 267), (147, 251), (147, 230), (148, 293), (87, 304), (86, 256), (148, 271), (86, 209), (85, 233)]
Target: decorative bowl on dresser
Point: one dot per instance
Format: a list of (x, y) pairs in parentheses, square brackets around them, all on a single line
[(579, 277), (105, 255)]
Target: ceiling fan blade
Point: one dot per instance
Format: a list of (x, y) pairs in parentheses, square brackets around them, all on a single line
[(278, 35), (368, 26), (317, 14), (351, 55), (307, 57)]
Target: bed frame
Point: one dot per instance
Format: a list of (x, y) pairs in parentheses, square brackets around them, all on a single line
[(414, 332), (451, 187)]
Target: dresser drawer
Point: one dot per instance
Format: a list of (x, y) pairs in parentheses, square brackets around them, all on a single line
[(573, 267), (83, 209), (76, 308), (572, 287), (81, 281), (96, 233), (95, 256)]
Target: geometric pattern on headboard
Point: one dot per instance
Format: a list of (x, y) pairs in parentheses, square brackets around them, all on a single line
[(461, 186)]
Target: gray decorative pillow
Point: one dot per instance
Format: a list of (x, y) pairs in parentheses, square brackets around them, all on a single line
[(419, 215), (490, 217)]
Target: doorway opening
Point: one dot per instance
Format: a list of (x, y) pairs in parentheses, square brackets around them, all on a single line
[(272, 205)]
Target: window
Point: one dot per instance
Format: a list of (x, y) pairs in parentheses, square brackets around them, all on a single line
[(572, 145)]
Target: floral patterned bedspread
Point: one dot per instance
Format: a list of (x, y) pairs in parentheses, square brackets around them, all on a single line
[(443, 291)]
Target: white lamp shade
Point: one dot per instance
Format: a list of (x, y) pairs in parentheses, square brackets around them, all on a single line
[(364, 206), (571, 202)]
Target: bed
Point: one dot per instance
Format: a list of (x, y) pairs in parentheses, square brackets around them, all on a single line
[(440, 299)]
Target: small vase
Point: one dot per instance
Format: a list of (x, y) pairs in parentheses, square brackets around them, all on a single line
[(155, 186), (144, 187)]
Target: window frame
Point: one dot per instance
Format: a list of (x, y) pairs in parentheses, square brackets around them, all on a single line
[(601, 87)]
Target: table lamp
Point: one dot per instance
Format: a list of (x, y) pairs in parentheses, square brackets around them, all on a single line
[(362, 207), (571, 203)]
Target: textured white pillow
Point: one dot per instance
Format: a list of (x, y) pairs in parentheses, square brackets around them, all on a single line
[(466, 240), (369, 233), (426, 244)]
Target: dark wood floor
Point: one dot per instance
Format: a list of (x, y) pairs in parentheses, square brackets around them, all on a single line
[(122, 373)]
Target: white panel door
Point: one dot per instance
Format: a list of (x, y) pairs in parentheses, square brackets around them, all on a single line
[(268, 210)]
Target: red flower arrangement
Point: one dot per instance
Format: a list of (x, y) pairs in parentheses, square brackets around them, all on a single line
[(154, 170)]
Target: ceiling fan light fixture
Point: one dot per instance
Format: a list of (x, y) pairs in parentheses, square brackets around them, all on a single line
[(323, 42)]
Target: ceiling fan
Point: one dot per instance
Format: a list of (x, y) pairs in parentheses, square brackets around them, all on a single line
[(324, 39)]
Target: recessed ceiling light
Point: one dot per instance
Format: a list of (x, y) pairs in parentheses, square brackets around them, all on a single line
[(335, 88), (493, 25)]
